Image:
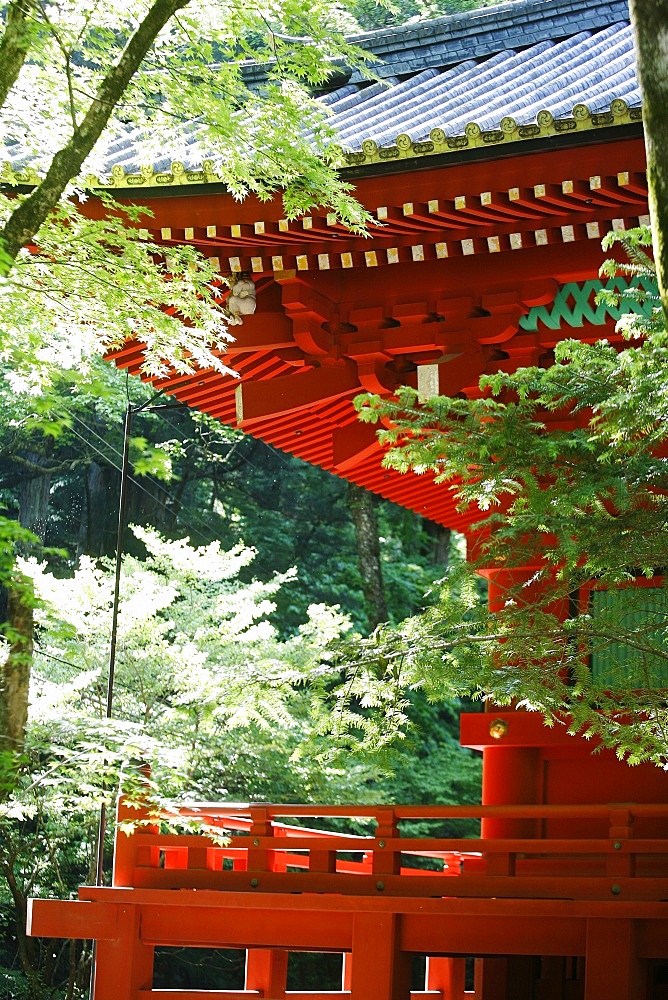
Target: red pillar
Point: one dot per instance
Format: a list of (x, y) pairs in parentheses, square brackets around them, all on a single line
[(126, 853), (513, 775), (123, 965), (447, 975), (510, 776), (347, 971), (612, 967), (380, 971), (267, 971), (491, 979)]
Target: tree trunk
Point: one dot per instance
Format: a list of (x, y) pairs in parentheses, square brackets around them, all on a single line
[(15, 671), (97, 528), (34, 498), (19, 627), (363, 513), (650, 26), (440, 542), (24, 222), (15, 43), (25, 944)]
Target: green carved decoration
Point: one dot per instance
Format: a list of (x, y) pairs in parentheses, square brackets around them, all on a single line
[(638, 615), (575, 305)]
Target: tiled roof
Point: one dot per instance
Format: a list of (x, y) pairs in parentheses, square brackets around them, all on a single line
[(480, 33), (591, 67), (521, 70)]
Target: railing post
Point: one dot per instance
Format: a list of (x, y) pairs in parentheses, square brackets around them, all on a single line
[(447, 975), (612, 967), (124, 964), (347, 971), (386, 860), (620, 862), (259, 858), (322, 861), (380, 970), (491, 978), (267, 972)]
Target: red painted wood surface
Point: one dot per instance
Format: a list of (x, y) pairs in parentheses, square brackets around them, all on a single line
[(514, 229)]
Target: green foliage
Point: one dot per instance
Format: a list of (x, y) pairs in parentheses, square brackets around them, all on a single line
[(77, 282), (90, 286), (564, 469)]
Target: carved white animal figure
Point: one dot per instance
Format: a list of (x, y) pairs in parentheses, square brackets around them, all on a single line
[(242, 300)]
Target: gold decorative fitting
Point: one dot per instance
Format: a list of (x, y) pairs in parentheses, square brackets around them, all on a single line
[(509, 130), (498, 729), (370, 152)]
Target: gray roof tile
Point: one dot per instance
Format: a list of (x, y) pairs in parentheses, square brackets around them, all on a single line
[(587, 67)]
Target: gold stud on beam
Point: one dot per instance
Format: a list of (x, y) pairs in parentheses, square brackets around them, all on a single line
[(498, 729)]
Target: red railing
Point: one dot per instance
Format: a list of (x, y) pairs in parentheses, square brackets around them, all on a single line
[(250, 848)]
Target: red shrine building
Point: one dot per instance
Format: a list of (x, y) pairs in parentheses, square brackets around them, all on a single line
[(496, 151)]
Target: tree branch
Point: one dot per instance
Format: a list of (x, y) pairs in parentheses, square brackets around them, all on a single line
[(26, 220), (15, 44)]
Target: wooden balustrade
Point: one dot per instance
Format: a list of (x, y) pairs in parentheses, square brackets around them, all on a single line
[(260, 851), (253, 879)]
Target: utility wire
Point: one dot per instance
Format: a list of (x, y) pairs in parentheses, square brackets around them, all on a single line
[(188, 524)]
